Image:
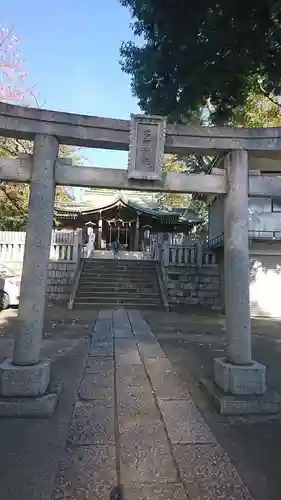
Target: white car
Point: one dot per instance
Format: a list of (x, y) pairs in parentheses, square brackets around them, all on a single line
[(9, 287)]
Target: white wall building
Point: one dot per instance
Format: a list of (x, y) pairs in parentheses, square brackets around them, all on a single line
[(264, 249)]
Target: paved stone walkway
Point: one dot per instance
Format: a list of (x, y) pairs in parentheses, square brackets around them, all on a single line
[(134, 424)]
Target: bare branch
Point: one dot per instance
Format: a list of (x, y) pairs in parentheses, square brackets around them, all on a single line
[(9, 32), (269, 96), (13, 202)]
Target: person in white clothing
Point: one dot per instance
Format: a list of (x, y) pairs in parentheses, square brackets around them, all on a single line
[(91, 241)]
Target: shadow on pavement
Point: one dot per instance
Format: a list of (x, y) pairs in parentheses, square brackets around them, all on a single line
[(254, 442)]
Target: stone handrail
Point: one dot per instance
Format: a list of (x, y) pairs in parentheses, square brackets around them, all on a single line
[(193, 253), (64, 246), (75, 284)]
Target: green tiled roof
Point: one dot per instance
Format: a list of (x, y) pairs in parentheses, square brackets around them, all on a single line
[(97, 200)]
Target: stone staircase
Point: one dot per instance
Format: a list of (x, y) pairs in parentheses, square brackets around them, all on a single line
[(109, 283)]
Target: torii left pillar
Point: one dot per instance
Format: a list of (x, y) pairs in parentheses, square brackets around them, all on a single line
[(25, 379)]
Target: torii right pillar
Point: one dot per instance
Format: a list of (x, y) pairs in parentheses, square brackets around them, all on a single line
[(237, 373)]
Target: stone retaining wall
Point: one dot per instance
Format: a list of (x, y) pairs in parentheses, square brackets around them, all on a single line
[(194, 286), (59, 280)]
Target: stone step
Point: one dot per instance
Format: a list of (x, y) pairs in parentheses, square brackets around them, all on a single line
[(123, 262), (120, 278), (119, 272), (112, 277), (101, 305), (117, 285), (107, 270), (113, 267), (120, 284), (114, 283), (116, 302), (152, 283), (117, 293), (119, 266), (118, 289), (126, 296)]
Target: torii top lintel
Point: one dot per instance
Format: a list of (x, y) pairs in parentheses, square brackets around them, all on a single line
[(109, 133)]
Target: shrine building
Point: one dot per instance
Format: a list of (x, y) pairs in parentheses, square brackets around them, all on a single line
[(128, 216)]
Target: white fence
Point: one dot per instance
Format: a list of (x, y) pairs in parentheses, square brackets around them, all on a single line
[(65, 247)]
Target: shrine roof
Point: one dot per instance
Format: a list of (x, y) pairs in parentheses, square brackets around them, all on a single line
[(99, 200)]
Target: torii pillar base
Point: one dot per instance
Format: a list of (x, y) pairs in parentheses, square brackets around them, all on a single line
[(28, 391)]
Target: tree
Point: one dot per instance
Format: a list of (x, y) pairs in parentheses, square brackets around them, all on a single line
[(258, 111), (14, 197), (12, 71), (190, 164), (168, 200), (203, 54)]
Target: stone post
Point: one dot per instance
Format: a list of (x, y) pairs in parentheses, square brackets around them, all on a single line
[(37, 252), (99, 239), (199, 253), (236, 259), (237, 373), (25, 374), (76, 242), (166, 253), (137, 235)]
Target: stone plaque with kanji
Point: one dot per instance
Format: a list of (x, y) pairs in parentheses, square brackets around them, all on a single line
[(147, 141)]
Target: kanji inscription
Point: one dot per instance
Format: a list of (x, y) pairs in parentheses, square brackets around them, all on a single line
[(147, 142)]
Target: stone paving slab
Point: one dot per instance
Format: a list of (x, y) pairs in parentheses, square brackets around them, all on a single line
[(124, 346), (134, 412), (129, 358), (169, 386), (97, 386), (184, 423), (142, 433), (151, 349), (122, 325), (133, 375), (146, 464), (136, 403), (103, 333), (104, 324), (138, 323), (99, 364), (208, 474), (101, 349), (152, 492), (157, 367), (86, 473), (101, 340), (92, 423), (121, 334), (123, 331)]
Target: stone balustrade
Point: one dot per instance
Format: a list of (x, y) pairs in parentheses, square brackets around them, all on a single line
[(64, 247)]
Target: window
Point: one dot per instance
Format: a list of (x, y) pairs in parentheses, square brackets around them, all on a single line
[(276, 204)]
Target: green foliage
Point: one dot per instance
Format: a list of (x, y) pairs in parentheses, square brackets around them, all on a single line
[(188, 165), (14, 197), (203, 54), (169, 200), (258, 111)]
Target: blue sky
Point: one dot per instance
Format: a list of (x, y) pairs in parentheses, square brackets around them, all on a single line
[(71, 54)]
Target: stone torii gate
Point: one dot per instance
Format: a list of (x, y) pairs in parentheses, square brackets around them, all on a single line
[(146, 139)]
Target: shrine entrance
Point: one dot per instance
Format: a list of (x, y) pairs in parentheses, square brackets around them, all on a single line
[(146, 138), (121, 231)]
